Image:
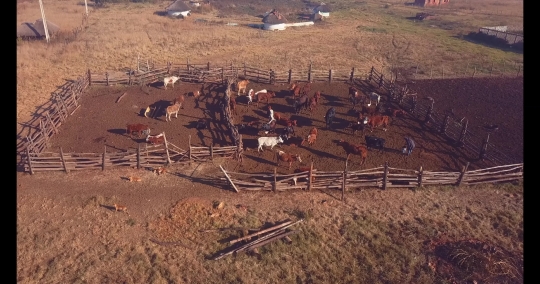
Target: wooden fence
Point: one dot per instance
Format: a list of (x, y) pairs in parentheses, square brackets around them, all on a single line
[(67, 100), (444, 124), (143, 156), (381, 177)]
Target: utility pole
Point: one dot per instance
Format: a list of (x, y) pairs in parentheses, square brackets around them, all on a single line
[(44, 21)]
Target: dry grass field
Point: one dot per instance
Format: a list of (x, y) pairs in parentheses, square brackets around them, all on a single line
[(68, 231)]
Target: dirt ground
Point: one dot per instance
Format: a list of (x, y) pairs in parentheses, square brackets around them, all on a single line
[(101, 122)]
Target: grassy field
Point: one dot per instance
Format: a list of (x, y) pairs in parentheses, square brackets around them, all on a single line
[(66, 235), (359, 34)]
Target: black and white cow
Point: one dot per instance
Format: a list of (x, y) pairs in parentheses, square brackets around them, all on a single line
[(375, 142)]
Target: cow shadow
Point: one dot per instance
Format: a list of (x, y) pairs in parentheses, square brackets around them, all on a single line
[(301, 120), (283, 94), (260, 113), (119, 131), (260, 160), (332, 101), (157, 85), (161, 13)]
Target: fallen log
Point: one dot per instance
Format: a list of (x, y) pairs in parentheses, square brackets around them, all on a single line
[(120, 97)]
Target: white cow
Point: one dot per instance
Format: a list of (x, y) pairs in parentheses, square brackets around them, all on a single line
[(375, 97), (170, 80), (268, 141), (250, 96)]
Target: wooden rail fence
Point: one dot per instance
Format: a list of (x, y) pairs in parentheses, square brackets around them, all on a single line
[(380, 177), (143, 156), (66, 101), (444, 124)]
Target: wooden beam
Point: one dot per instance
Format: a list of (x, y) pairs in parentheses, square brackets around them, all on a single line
[(63, 161), (29, 160), (420, 173), (51, 123), (138, 156), (103, 158), (462, 174), (287, 222), (228, 178), (274, 185), (310, 181), (120, 97), (167, 148), (385, 176)]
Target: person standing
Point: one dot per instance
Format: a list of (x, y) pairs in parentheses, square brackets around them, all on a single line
[(409, 145), (270, 114)]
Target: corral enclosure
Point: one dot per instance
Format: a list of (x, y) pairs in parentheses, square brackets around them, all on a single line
[(101, 122)]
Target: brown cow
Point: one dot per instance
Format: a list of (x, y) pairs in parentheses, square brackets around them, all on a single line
[(354, 149), (295, 90), (179, 101), (289, 158), (312, 137), (138, 129), (313, 101), (170, 110), (378, 120), (156, 139), (265, 96)]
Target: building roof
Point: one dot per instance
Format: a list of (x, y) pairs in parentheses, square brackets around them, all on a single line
[(178, 6), (36, 29), (323, 8), (274, 17)]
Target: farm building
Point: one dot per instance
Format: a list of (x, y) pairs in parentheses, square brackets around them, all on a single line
[(36, 30), (274, 20), (323, 10), (178, 8), (430, 2)]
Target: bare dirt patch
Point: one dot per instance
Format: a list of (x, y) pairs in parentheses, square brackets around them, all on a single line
[(101, 122)]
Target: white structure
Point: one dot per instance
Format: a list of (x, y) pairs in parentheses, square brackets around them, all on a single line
[(194, 3), (274, 21), (323, 10), (178, 8)]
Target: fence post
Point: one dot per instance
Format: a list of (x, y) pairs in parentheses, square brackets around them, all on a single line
[(208, 66), (129, 78), (519, 69), (491, 69), (428, 113), (381, 80), (463, 131), (63, 161), (344, 179), (420, 173), (351, 78), (442, 71), (107, 77), (167, 148), (138, 155), (309, 72), (444, 125), (168, 67), (245, 71), (310, 177), (188, 68), (223, 75), (51, 122), (89, 78), (330, 76), (371, 73), (462, 174), (189, 153), (385, 176), (103, 158), (29, 160), (274, 185), (212, 151), (290, 76), (272, 77), (474, 72), (484, 148)]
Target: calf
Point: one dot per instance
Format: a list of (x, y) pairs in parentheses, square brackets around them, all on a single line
[(329, 117), (172, 110), (301, 170), (312, 137), (179, 101), (378, 120), (202, 124), (353, 149), (289, 158), (170, 80), (156, 139), (269, 127), (374, 142), (250, 96), (138, 129), (268, 141), (241, 86)]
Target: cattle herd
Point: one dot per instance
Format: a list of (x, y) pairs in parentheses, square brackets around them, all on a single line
[(370, 114)]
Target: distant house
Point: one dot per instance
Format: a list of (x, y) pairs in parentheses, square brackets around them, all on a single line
[(430, 2), (178, 8), (323, 10), (36, 30), (274, 20)]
